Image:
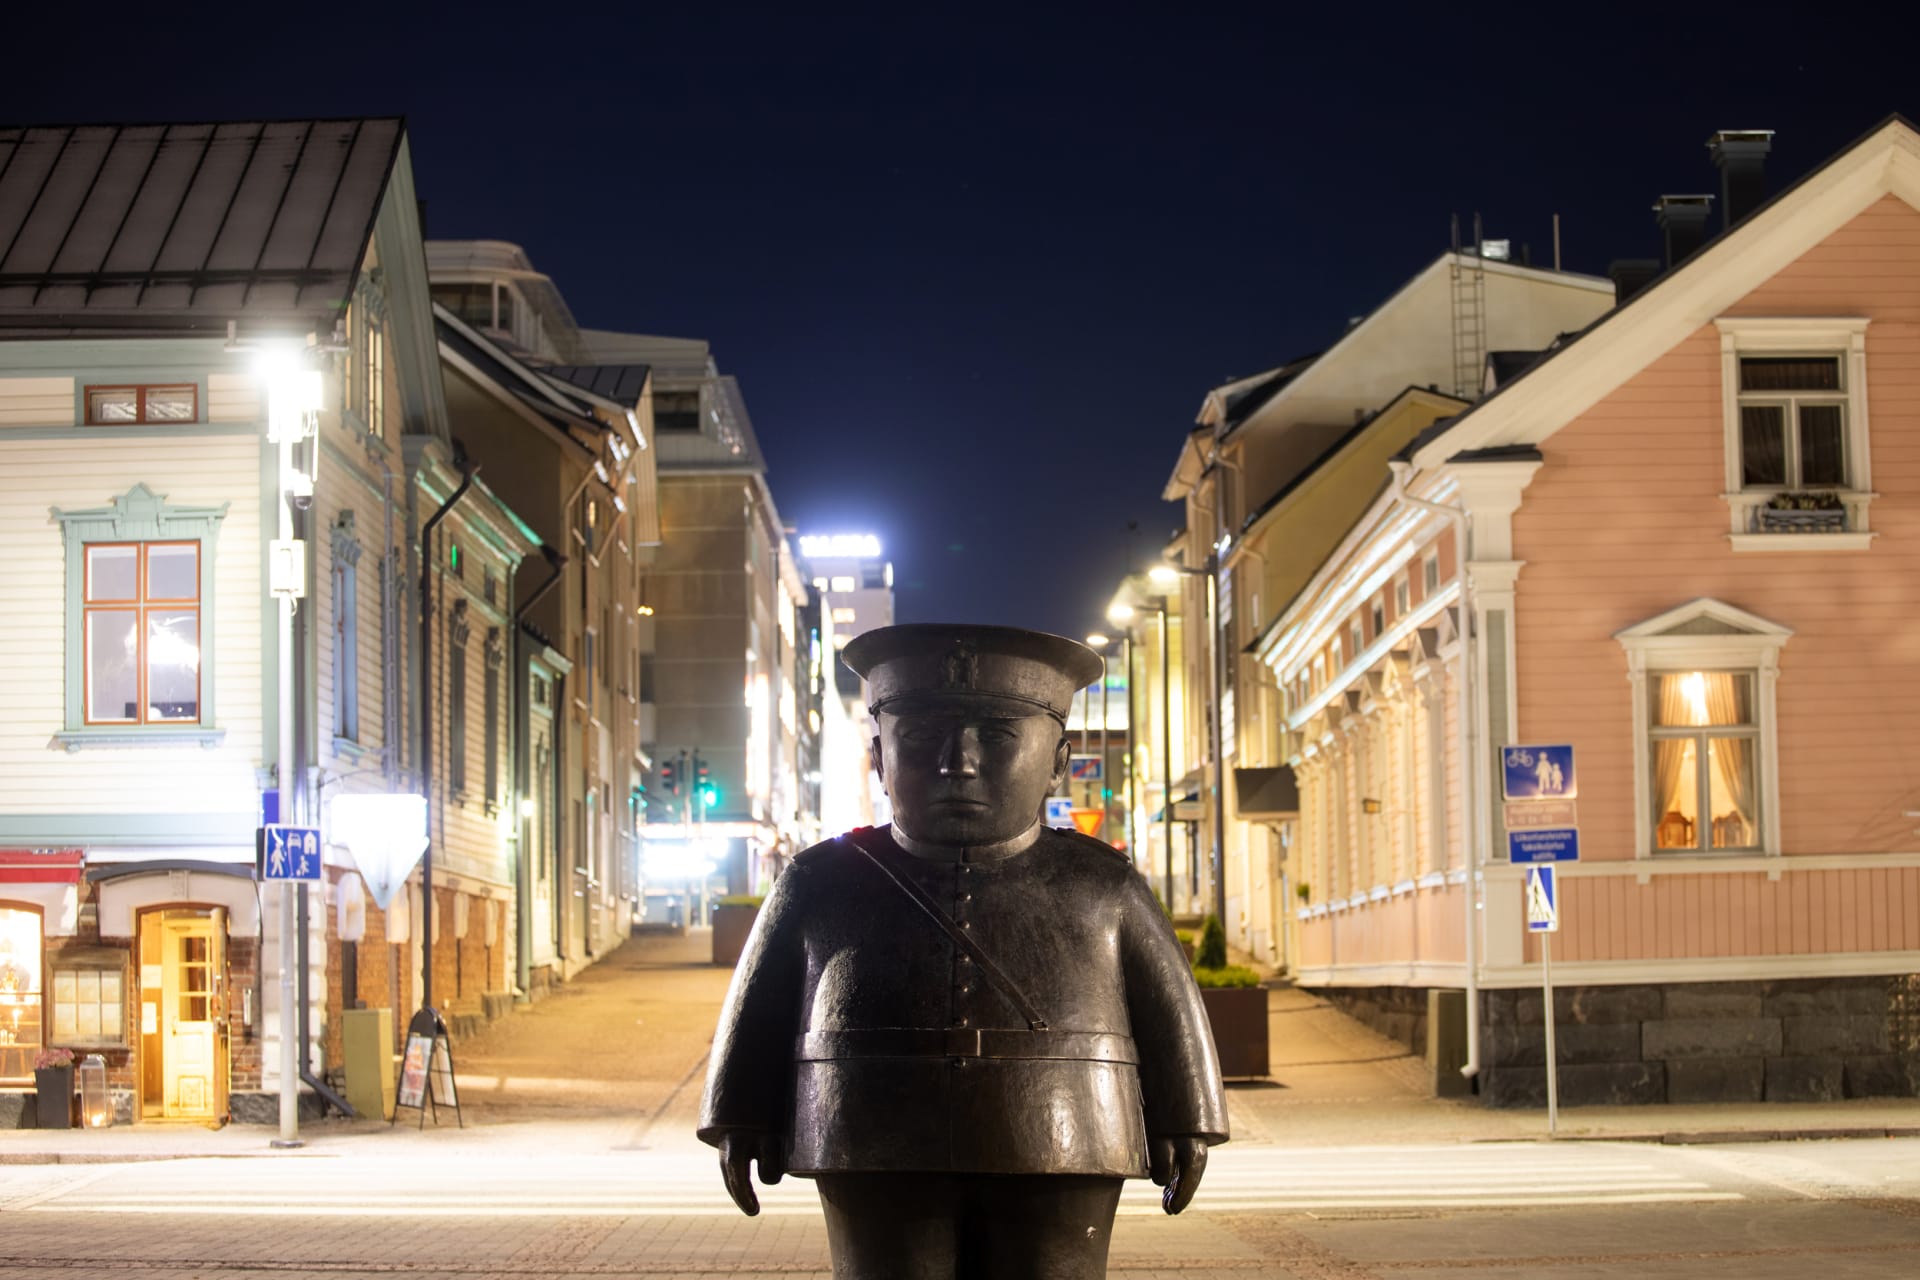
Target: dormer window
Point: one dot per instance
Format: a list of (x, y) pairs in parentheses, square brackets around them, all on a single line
[(135, 405)]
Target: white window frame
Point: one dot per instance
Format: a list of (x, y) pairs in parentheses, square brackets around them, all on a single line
[(1402, 596), (1844, 337), (1677, 641)]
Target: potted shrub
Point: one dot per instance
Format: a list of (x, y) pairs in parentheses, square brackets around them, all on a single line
[(53, 1088), (733, 918), (1236, 1005)]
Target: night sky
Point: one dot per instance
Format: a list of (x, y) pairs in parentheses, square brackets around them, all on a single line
[(975, 269)]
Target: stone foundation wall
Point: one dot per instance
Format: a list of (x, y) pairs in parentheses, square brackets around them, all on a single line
[(1798, 1040), (1398, 1013)]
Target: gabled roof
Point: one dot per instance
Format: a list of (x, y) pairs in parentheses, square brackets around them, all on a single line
[(1590, 365), (187, 226)]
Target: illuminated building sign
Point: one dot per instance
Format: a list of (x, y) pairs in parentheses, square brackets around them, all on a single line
[(840, 546)]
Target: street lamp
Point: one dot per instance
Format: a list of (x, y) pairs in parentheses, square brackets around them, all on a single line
[(1100, 642)]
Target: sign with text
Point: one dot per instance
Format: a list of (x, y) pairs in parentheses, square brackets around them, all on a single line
[(289, 853), (1086, 768), (1537, 773), (1551, 844), (1531, 815)]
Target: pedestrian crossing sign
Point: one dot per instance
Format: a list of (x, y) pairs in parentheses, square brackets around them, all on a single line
[(1543, 900)]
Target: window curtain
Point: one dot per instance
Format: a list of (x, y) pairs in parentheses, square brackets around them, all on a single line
[(1763, 444), (1729, 701), (1670, 775)]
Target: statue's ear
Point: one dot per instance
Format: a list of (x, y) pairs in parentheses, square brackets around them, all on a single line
[(879, 760), (1062, 757)]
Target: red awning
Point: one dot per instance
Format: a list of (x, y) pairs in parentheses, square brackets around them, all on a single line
[(40, 866)]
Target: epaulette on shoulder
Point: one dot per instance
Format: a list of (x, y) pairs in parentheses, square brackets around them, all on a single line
[(813, 853), (1085, 841)]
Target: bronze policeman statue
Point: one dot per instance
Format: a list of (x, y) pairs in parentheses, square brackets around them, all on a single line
[(967, 1028)]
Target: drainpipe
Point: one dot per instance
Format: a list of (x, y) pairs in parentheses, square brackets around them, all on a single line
[(523, 774), (1470, 855), (428, 560)]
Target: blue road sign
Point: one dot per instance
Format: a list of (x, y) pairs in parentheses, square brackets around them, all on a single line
[(1543, 900), (1060, 812), (1086, 768), (290, 853), (1554, 844), (1537, 773)]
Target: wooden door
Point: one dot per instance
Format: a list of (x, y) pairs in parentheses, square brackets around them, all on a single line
[(187, 1018)]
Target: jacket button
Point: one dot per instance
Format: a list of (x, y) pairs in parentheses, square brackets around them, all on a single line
[(963, 958), (966, 897), (959, 1022), (966, 924), (965, 988)]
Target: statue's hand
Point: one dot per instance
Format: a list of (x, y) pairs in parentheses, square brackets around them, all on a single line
[(737, 1151), (1177, 1164)]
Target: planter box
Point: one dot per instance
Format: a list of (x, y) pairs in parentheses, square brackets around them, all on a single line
[(53, 1097), (730, 928), (1239, 1019)]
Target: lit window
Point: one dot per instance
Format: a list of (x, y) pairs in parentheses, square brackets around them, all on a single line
[(1402, 596), (1430, 574), (1355, 640), (20, 1010), (141, 623), (113, 406), (1705, 748), (1706, 766), (844, 584), (843, 615), (87, 1004)]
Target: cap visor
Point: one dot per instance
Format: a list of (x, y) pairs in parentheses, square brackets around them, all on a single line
[(982, 705)]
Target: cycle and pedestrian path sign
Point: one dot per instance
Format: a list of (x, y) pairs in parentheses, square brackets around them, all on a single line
[(1539, 787)]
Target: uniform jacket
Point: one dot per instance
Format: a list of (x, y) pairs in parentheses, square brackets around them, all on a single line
[(861, 1038)]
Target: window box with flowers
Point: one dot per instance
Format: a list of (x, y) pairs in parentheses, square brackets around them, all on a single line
[(1820, 512), (53, 1088)]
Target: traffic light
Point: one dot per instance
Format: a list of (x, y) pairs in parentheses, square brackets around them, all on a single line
[(670, 777), (703, 783)]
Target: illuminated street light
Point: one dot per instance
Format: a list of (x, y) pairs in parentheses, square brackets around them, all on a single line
[(1097, 641), (1120, 613), (1163, 575)]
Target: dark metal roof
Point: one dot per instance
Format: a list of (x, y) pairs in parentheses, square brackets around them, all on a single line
[(1243, 404), (170, 226), (620, 383)]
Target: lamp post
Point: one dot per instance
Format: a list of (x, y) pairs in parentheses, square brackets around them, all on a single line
[(1100, 643)]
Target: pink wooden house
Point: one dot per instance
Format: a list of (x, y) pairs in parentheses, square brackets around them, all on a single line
[(1692, 551)]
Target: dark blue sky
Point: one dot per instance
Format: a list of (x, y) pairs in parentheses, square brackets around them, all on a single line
[(976, 268)]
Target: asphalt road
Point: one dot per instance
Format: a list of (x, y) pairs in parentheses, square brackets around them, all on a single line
[(484, 1205)]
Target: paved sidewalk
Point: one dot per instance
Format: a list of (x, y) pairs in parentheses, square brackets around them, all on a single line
[(615, 1060)]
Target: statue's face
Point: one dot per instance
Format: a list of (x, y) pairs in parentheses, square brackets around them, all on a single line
[(960, 779)]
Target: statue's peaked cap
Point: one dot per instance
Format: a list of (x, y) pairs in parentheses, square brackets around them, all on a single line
[(1004, 670)]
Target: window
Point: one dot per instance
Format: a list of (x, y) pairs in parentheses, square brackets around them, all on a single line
[(1379, 618), (471, 302), (1356, 641), (457, 701), (845, 584), (676, 410), (1705, 776), (1792, 423), (843, 615), (1430, 575), (1704, 752), (496, 659), (116, 406), (138, 590), (1402, 596), (346, 630), (141, 628), (20, 1010), (1798, 474), (87, 1005)]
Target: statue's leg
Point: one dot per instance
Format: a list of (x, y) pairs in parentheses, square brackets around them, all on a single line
[(891, 1226), (1037, 1226)]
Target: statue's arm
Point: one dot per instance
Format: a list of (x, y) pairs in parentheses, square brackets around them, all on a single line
[(1179, 1067), (744, 1109)]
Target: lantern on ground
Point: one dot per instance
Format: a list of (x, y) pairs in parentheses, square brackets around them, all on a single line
[(96, 1104)]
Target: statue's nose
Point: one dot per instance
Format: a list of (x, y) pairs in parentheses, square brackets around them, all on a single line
[(960, 754)]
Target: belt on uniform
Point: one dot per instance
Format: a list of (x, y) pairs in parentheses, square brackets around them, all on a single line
[(967, 1042)]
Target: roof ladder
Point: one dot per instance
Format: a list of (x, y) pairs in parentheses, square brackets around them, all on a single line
[(1468, 273)]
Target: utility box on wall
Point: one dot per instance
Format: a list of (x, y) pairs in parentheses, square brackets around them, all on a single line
[(366, 1037)]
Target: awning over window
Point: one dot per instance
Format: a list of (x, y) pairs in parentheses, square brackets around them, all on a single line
[(1266, 795), (45, 878)]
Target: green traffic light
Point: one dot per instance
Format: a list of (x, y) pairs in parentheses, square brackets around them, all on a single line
[(710, 796)]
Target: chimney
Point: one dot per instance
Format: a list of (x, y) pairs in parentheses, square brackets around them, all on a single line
[(1630, 276), (1741, 157), (1684, 219)]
